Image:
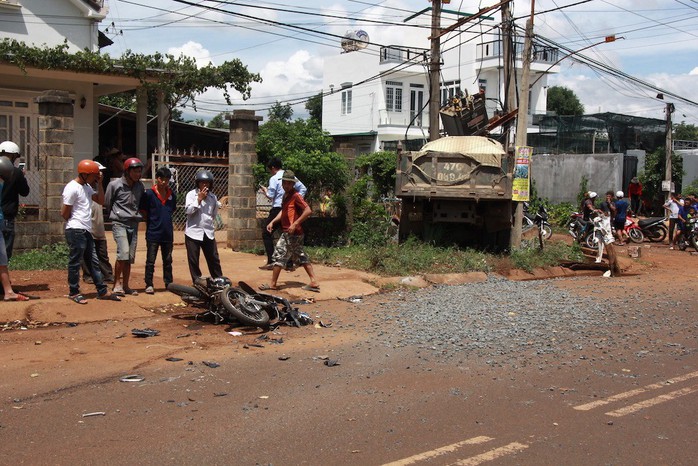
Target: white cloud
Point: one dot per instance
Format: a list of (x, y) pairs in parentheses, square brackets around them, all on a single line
[(194, 50)]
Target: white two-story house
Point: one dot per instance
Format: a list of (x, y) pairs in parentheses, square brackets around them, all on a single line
[(377, 96)]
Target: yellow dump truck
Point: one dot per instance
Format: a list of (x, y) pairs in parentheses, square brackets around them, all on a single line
[(456, 190)]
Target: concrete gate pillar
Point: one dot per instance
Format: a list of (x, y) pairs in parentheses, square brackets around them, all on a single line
[(243, 228), (56, 156)]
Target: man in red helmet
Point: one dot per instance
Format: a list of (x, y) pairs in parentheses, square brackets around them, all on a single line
[(122, 200), (77, 211)]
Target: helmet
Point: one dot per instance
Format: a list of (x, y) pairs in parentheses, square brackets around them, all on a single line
[(9, 147), (133, 162), (88, 167), (619, 194), (6, 168), (592, 194), (204, 175)]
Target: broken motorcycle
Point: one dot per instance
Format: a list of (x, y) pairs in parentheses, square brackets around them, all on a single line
[(226, 302)]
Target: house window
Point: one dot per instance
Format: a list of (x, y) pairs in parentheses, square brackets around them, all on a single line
[(449, 90), (346, 102), (482, 85), (393, 96)]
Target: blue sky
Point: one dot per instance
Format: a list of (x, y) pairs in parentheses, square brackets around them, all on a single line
[(660, 44)]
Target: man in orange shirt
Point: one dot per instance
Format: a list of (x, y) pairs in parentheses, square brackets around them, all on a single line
[(294, 211), (635, 193)]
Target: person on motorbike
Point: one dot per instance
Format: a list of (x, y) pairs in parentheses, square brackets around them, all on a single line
[(588, 210)]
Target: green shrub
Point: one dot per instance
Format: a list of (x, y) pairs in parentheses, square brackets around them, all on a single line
[(49, 257)]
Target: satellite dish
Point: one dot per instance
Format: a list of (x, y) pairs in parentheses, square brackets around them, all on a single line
[(355, 40)]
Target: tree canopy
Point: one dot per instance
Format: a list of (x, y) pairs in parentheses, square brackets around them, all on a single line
[(303, 147), (686, 132), (564, 101), (280, 112), (314, 107)]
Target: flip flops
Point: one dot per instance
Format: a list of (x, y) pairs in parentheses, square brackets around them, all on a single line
[(314, 289), (109, 297), (78, 298), (18, 297), (265, 287)]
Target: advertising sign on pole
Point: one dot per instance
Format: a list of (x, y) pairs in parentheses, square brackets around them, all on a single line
[(521, 184)]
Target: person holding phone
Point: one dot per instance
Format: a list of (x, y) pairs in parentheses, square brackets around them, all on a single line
[(15, 186), (201, 207)]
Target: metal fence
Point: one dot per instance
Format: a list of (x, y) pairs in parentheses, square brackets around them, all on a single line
[(184, 167)]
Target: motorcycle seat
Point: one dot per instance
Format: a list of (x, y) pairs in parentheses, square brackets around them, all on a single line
[(649, 221)]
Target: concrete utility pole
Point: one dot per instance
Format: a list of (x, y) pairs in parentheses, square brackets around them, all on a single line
[(435, 71), (508, 71), (522, 120), (668, 149)]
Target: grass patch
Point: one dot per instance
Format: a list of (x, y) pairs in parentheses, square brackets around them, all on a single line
[(49, 257), (411, 257), (414, 257), (529, 256)]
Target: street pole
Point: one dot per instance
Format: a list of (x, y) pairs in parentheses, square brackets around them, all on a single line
[(508, 68), (435, 71), (668, 150)]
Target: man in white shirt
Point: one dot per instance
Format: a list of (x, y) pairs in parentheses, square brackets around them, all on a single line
[(201, 207), (275, 193), (77, 211), (672, 207)]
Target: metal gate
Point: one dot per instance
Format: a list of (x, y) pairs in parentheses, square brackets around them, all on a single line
[(629, 170), (184, 168)]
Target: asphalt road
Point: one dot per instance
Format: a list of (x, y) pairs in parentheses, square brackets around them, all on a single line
[(278, 402)]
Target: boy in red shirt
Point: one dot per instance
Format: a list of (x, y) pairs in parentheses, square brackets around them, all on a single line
[(294, 211)]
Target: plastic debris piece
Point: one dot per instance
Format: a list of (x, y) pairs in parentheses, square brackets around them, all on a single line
[(132, 378), (264, 397), (220, 394), (235, 334), (331, 362), (211, 364), (284, 358), (322, 324), (145, 332), (174, 359), (96, 413)]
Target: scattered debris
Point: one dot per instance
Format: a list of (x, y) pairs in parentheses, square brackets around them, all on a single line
[(184, 335), (264, 397), (322, 324), (331, 362), (220, 394), (145, 332), (211, 364), (174, 359), (352, 299), (284, 358), (37, 342), (236, 334), (96, 413), (34, 375), (132, 378)]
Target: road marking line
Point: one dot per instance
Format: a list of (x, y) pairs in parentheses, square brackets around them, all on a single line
[(491, 455), (637, 391), (652, 401), (439, 451)]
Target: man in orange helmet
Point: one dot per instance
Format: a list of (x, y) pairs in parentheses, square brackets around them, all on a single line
[(77, 211)]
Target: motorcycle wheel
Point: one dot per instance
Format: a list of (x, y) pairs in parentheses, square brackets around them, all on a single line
[(657, 234), (183, 290), (236, 303), (683, 244), (635, 235), (694, 243), (592, 241), (547, 231)]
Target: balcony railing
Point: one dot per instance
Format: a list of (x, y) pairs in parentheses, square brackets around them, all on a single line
[(541, 53), (397, 54)]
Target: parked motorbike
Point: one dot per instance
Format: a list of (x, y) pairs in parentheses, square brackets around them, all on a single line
[(689, 236), (579, 228), (633, 231), (539, 220), (226, 302), (654, 228)]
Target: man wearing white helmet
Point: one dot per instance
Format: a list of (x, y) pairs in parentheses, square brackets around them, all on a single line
[(622, 206), (14, 187)]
